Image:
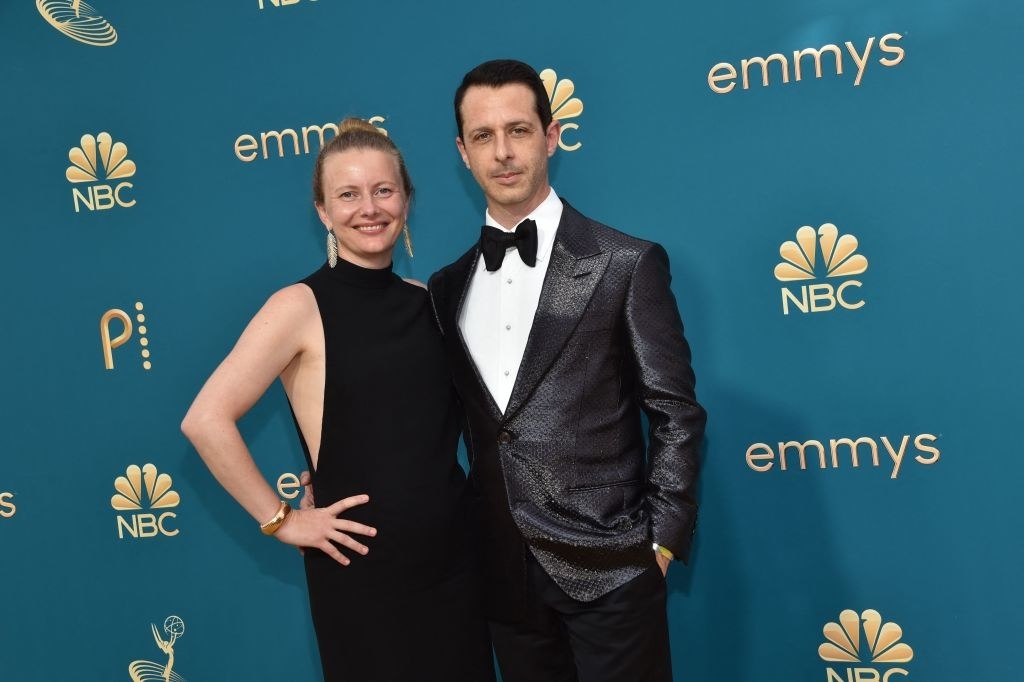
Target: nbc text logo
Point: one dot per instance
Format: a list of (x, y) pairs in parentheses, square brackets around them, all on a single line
[(880, 645), (148, 671), (838, 259), (78, 20), (248, 148), (141, 489), (563, 105), (279, 3), (7, 507), (109, 343), (100, 158)]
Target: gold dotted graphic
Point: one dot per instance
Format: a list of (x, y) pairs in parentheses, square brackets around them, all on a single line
[(143, 341)]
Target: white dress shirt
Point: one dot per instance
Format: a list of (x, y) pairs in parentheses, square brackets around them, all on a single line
[(498, 312)]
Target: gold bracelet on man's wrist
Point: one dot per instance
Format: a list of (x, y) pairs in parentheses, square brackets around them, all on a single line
[(272, 526)]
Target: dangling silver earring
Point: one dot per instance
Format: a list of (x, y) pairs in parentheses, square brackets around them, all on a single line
[(332, 248), (407, 239)]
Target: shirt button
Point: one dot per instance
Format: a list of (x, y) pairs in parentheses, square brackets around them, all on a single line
[(508, 326), (508, 281), (506, 372)]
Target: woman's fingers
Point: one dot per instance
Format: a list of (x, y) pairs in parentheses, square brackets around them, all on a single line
[(347, 503), (353, 527), (349, 541), (323, 529), (307, 501), (330, 550)]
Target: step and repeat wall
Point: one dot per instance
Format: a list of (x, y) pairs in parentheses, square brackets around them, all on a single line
[(838, 185)]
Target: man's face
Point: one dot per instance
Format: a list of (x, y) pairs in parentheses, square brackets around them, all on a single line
[(506, 148)]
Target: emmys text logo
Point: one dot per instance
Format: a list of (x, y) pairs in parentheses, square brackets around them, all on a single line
[(7, 506), (844, 452), (148, 671), (563, 105), (137, 491), (109, 342), (722, 76), (279, 3), (248, 148), (99, 161), (820, 254), (880, 646), (78, 20)]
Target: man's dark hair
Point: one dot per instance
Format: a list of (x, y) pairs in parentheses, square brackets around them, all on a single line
[(498, 72)]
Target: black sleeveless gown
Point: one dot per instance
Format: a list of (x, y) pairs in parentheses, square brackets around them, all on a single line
[(410, 609)]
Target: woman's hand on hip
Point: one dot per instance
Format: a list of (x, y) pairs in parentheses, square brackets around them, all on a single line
[(323, 529)]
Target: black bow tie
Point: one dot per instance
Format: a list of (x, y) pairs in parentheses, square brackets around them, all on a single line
[(494, 243)]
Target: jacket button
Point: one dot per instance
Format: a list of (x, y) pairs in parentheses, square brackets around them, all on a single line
[(504, 437)]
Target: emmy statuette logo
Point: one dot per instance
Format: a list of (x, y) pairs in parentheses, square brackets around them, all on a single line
[(148, 671), (880, 645), (563, 105), (801, 262), (7, 506), (249, 147), (124, 328), (140, 490), (99, 161), (79, 21)]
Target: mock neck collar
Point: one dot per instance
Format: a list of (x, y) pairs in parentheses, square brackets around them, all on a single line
[(356, 275)]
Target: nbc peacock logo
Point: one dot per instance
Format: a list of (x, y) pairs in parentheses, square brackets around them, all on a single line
[(141, 489), (820, 253), (563, 105), (148, 671), (98, 160), (879, 645), (79, 21)]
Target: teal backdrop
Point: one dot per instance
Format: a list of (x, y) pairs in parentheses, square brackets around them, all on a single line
[(857, 521)]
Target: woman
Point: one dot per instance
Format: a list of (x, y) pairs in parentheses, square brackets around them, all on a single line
[(392, 589)]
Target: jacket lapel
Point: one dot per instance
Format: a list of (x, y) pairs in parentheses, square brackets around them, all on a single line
[(464, 370), (577, 265)]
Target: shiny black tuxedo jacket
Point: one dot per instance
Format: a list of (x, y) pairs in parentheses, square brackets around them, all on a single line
[(565, 470)]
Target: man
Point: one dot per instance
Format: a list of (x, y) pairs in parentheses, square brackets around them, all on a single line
[(556, 348)]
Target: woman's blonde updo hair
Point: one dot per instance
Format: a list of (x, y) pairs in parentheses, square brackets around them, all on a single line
[(355, 133)]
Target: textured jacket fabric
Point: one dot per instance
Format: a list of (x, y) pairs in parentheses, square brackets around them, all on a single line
[(565, 470)]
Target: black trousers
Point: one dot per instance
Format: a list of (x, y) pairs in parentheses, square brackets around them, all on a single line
[(620, 637)]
